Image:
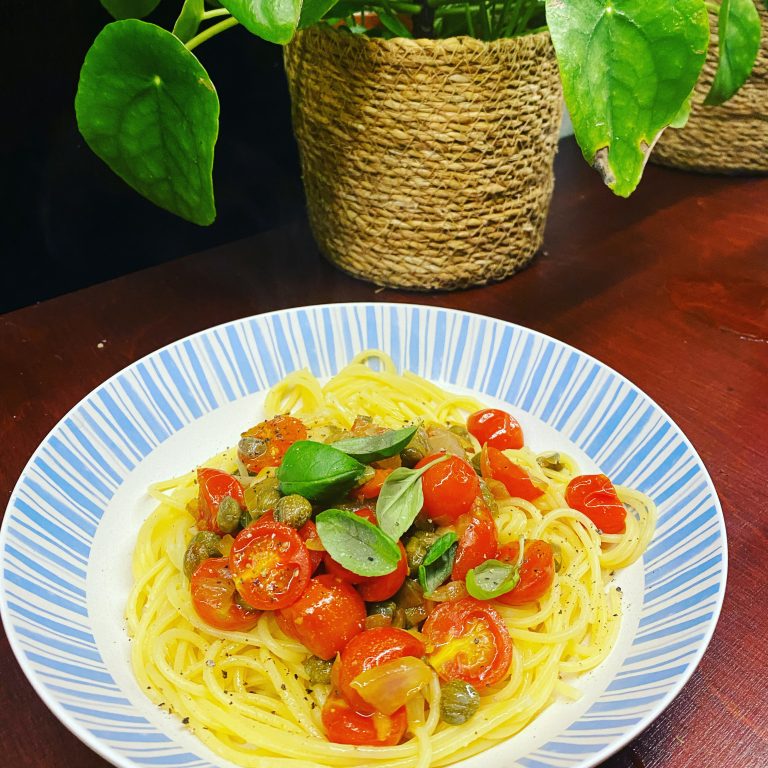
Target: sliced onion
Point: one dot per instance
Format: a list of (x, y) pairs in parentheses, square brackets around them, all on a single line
[(390, 685), (414, 709), (497, 488)]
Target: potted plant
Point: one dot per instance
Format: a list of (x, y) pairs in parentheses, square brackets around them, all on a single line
[(427, 128)]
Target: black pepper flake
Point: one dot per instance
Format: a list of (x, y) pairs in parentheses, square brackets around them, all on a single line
[(618, 589), (185, 721), (308, 690), (224, 673), (282, 687), (295, 676), (273, 712), (313, 705)]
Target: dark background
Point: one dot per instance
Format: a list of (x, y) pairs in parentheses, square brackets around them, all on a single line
[(67, 220)]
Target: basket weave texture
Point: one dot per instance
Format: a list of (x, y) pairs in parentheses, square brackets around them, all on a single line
[(427, 164), (732, 138)]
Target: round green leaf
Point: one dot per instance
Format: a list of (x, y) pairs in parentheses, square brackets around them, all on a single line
[(627, 68), (130, 9), (273, 20), (738, 31), (146, 106)]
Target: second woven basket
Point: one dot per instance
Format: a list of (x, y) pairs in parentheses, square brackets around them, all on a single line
[(427, 164)]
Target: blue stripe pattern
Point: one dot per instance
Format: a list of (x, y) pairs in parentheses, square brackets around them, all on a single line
[(57, 506)]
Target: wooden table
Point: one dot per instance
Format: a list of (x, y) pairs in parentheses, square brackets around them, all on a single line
[(670, 288)]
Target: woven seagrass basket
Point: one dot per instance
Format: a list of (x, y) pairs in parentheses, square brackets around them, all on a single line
[(427, 164), (732, 138)]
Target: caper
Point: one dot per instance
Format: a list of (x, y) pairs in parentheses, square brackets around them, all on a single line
[(251, 447), (416, 450), (318, 670), (458, 701), (261, 497), (550, 460), (384, 608), (293, 510), (228, 514), (417, 547), (489, 498), (203, 545)]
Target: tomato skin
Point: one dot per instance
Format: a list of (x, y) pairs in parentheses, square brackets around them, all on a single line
[(375, 588), (478, 540), (270, 564), (213, 597), (337, 569), (496, 466), (280, 433), (372, 488), (370, 649), (449, 488), (495, 428), (214, 485), (595, 496), (326, 617), (344, 725), (308, 532), (537, 571), (470, 642)]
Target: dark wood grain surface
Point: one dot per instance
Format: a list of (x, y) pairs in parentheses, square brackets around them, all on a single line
[(670, 288)]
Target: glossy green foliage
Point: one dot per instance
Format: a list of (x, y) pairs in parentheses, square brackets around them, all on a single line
[(273, 20), (130, 9)]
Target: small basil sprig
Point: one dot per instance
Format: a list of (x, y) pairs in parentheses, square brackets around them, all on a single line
[(317, 471), (401, 499), (376, 447), (438, 562), (357, 544), (491, 579)]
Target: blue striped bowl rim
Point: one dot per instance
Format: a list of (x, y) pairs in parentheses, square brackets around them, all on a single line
[(55, 509)]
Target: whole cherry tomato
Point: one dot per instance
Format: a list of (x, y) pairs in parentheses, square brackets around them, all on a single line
[(375, 588), (344, 725), (372, 488), (537, 571), (469, 641), (270, 564), (478, 539), (595, 496), (449, 488), (326, 617), (496, 466), (370, 649), (214, 485), (215, 598), (495, 428), (272, 439)]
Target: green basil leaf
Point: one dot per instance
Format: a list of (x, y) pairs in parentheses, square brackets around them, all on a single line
[(130, 9), (187, 24), (146, 106), (376, 447), (627, 67), (272, 20), (491, 579), (314, 10), (317, 471), (401, 499), (357, 544), (738, 31), (438, 563)]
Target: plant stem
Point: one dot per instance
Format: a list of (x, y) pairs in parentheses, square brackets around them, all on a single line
[(207, 34), (714, 7), (213, 13)]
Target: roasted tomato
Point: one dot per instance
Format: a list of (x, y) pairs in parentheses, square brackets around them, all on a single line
[(265, 444), (325, 617), (270, 564), (537, 571), (478, 540), (469, 641), (372, 488), (344, 725), (595, 496), (308, 533), (495, 428), (496, 466), (214, 485), (449, 488), (215, 598), (370, 649), (375, 588)]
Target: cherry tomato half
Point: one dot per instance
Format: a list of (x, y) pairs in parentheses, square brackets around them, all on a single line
[(214, 485), (496, 466), (370, 649), (278, 434), (308, 532), (495, 428), (372, 488), (214, 597), (375, 588), (270, 564), (595, 496), (537, 571), (449, 488), (344, 725), (478, 540), (470, 642), (326, 617)]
